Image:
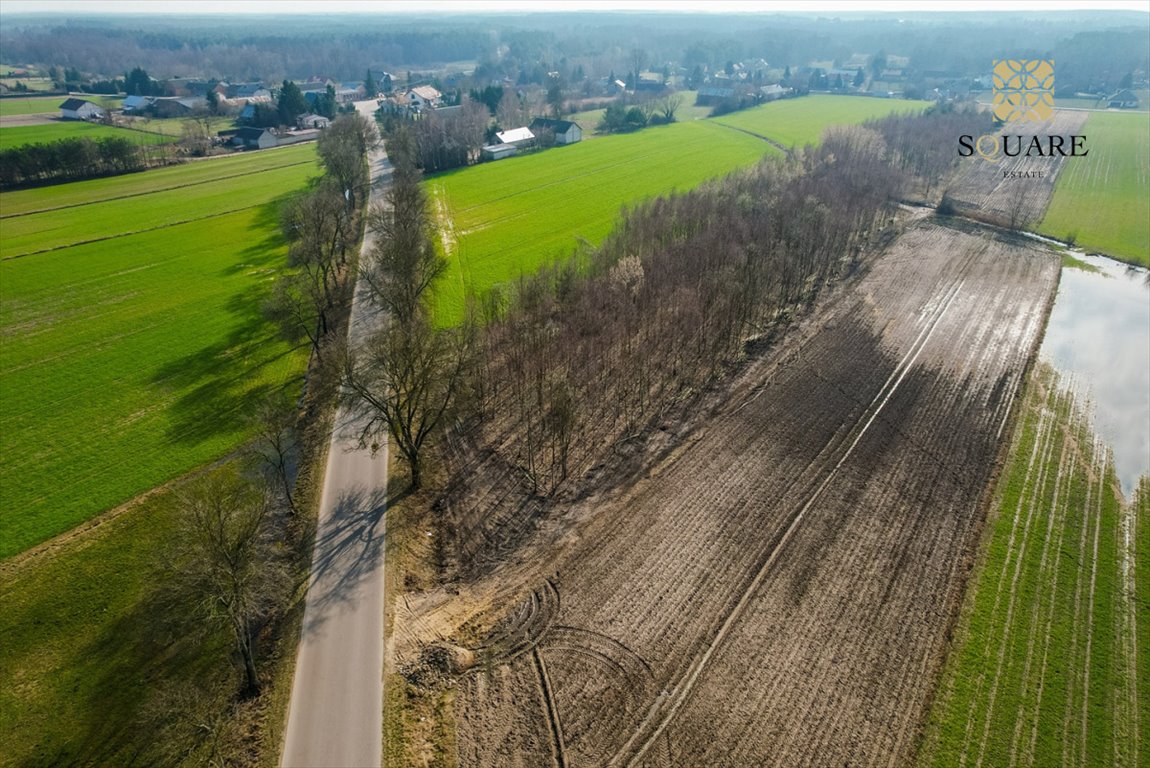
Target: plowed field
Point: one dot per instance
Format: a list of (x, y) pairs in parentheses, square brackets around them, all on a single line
[(987, 186), (779, 590)]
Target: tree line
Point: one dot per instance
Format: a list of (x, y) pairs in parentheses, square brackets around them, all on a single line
[(239, 559), (69, 159), (548, 379)]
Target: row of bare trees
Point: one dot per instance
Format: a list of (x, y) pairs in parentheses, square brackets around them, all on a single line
[(593, 351), (405, 378), (235, 561)]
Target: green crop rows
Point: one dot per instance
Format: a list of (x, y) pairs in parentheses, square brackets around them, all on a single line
[(1043, 672), (1110, 183), (131, 348)]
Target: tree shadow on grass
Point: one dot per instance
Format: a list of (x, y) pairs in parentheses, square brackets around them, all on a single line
[(120, 713), (215, 382)]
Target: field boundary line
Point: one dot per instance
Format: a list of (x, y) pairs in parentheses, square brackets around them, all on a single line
[(776, 144), (149, 192), (686, 684), (169, 225)]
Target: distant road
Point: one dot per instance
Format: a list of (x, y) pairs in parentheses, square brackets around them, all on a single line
[(336, 714)]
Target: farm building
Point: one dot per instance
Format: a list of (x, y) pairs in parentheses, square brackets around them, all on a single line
[(516, 136), (136, 103), (250, 138), (499, 151), (312, 121), (1124, 99), (81, 109), (566, 131), (165, 106)]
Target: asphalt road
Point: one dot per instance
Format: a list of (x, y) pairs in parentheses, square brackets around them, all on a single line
[(336, 713)]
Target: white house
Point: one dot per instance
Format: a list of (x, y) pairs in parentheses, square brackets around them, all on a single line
[(80, 109), (424, 97), (516, 136), (566, 131), (312, 121)]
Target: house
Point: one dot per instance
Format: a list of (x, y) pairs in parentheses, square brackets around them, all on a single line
[(81, 109), (424, 97), (346, 95), (615, 87), (566, 131), (499, 151), (248, 91), (1124, 99), (517, 136), (312, 121), (713, 94), (774, 91), (250, 138)]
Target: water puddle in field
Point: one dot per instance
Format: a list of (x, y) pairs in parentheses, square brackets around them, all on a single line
[(1099, 336)]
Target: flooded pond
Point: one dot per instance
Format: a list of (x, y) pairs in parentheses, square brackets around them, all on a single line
[(1098, 337)]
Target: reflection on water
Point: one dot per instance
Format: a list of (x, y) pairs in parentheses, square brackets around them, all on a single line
[(1099, 334)]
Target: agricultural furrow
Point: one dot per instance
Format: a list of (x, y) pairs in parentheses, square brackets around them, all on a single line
[(146, 193), (665, 710), (1088, 656), (118, 235), (1039, 631), (1043, 430), (1019, 560), (1077, 625)]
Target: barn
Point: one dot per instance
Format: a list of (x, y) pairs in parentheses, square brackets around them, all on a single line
[(81, 109), (566, 131)]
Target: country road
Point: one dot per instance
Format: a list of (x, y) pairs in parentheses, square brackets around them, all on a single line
[(336, 713)]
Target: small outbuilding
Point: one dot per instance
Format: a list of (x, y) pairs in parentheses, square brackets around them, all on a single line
[(499, 151), (81, 109)]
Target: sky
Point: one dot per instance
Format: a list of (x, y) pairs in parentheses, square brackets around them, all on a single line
[(534, 6)]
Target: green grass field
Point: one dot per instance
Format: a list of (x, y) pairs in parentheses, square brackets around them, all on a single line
[(16, 136), (31, 105), (687, 111), (501, 220), (797, 122), (1043, 670), (508, 218), (81, 648), (1102, 198), (131, 349)]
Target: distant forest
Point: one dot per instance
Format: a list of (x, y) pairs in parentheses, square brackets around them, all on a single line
[(1093, 50)]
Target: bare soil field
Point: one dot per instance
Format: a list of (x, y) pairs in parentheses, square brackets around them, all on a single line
[(988, 188), (779, 590)]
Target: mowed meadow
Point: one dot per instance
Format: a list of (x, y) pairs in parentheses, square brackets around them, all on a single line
[(500, 220), (1110, 183), (133, 340)]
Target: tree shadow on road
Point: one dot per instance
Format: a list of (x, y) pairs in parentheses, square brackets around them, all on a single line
[(348, 550)]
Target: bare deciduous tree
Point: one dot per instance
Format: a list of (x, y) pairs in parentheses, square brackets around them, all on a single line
[(403, 382), (227, 563)]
